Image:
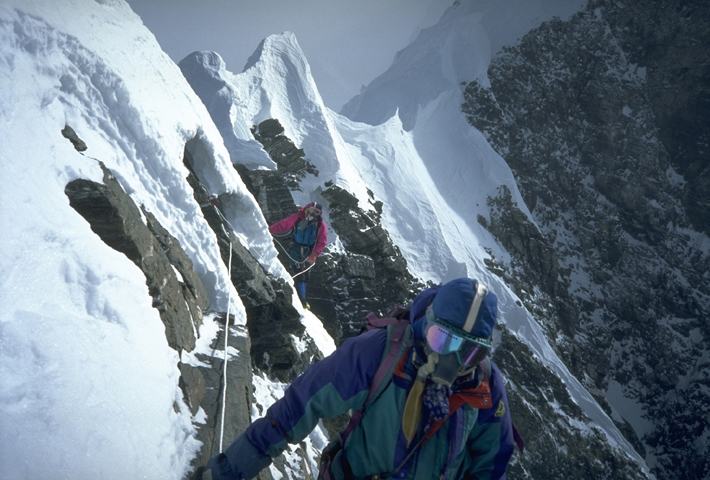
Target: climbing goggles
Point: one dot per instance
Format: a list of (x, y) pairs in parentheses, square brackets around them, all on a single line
[(444, 338), (315, 211)]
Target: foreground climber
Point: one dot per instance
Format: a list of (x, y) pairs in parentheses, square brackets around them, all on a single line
[(428, 402), (309, 235)]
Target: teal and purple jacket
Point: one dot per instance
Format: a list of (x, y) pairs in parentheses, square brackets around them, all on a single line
[(475, 442)]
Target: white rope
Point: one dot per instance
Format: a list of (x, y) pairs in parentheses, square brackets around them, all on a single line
[(286, 252), (294, 260), (226, 339), (304, 271)]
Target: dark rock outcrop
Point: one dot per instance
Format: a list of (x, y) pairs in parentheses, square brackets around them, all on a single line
[(669, 39), (572, 446), (583, 112), (271, 318), (238, 400), (70, 134), (181, 301), (114, 217), (371, 276)]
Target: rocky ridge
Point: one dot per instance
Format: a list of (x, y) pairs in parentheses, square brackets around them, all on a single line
[(369, 275), (349, 280)]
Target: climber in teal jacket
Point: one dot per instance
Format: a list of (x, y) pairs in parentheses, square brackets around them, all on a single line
[(441, 411)]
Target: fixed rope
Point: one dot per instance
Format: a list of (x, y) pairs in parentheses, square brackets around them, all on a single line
[(226, 325), (293, 260), (226, 344), (304, 271)]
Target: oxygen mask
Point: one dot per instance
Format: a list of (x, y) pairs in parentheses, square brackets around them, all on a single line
[(313, 212), (452, 351)]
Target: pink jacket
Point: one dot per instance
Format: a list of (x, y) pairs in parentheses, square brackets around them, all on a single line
[(290, 222)]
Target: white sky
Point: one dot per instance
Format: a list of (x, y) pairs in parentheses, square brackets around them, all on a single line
[(347, 43)]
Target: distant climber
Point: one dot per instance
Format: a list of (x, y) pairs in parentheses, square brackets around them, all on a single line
[(428, 401), (309, 235)]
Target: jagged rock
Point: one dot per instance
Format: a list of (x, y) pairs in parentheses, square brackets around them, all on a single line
[(301, 470), (274, 324), (70, 134), (354, 284), (271, 192), (519, 235), (238, 403), (290, 160), (192, 288), (668, 38), (371, 276), (192, 383), (359, 266), (237, 409), (114, 217), (534, 392), (181, 301)]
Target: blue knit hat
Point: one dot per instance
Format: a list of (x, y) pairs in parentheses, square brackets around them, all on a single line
[(453, 303)]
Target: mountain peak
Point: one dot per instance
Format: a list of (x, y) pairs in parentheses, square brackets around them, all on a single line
[(283, 46)]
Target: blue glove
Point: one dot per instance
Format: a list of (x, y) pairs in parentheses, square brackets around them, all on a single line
[(241, 461)]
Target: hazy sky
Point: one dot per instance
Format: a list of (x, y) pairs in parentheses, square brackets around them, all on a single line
[(347, 42)]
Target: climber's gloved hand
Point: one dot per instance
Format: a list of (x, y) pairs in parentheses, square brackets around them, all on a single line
[(241, 461), (311, 259)]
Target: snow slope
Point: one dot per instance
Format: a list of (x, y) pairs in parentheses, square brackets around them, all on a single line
[(88, 384)]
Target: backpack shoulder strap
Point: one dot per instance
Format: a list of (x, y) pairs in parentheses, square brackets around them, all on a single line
[(399, 339), (392, 317)]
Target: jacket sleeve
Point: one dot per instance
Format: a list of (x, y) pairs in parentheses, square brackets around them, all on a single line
[(286, 224), (326, 389), (491, 442)]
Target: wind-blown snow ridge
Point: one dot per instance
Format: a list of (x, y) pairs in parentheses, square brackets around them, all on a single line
[(276, 83)]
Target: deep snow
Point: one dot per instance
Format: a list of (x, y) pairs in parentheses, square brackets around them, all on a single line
[(87, 380)]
